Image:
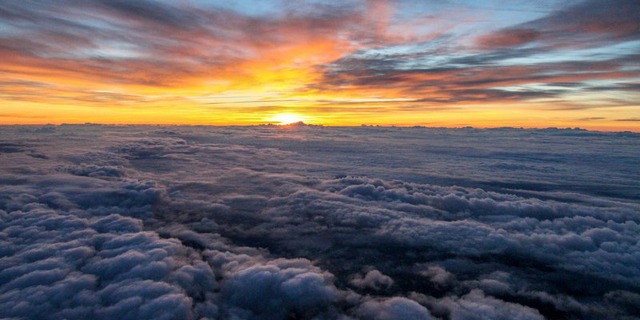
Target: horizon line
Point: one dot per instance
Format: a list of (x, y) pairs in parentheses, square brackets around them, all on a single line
[(302, 124)]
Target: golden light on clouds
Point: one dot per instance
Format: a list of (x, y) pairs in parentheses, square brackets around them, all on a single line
[(348, 63)]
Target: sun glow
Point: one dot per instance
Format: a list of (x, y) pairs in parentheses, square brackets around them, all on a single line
[(286, 118)]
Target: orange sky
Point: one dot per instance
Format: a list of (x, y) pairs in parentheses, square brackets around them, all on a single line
[(345, 63)]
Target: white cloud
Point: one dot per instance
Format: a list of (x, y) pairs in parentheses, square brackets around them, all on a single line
[(373, 279), (393, 309), (475, 305)]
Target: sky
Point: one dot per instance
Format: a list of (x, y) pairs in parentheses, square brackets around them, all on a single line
[(446, 63), (318, 222)]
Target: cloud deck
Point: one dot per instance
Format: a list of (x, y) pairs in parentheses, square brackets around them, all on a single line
[(267, 222)]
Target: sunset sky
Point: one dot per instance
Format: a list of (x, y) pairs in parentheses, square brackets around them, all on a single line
[(451, 63)]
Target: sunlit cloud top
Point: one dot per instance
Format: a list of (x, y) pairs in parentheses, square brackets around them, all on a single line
[(443, 63)]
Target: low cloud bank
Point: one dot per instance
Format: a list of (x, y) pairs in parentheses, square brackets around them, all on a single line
[(243, 223)]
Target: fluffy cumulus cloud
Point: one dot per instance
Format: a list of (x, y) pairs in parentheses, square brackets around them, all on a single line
[(373, 279), (305, 222), (475, 305), (393, 308), (59, 265)]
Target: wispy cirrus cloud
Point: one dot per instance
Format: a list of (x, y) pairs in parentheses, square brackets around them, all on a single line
[(586, 24), (101, 53)]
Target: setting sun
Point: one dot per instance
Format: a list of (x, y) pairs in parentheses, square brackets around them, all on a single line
[(286, 118), (335, 63)]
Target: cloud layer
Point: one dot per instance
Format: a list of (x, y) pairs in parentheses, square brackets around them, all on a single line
[(309, 222)]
